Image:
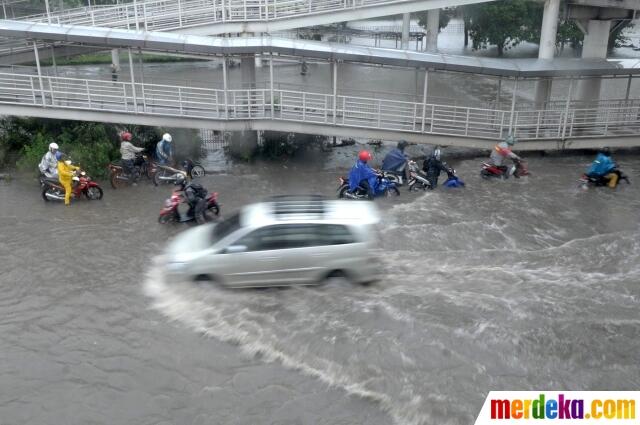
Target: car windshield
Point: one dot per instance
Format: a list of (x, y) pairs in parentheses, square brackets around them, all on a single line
[(225, 228)]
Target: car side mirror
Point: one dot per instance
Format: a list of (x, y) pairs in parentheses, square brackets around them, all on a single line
[(233, 249)]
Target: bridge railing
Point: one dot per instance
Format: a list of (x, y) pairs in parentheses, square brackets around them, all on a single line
[(175, 14), (315, 108)]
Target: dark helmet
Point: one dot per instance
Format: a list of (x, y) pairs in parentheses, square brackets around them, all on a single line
[(605, 151), (402, 144)]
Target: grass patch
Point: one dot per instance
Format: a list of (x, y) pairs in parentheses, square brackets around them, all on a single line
[(105, 59)]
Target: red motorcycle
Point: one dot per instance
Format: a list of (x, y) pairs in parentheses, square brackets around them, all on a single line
[(82, 184), (171, 214), (517, 170)]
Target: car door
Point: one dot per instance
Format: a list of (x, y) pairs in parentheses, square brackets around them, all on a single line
[(273, 255)]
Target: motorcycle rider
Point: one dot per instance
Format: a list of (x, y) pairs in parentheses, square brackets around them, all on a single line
[(49, 164), (603, 169), (164, 150), (362, 174), (396, 160), (66, 172), (128, 152), (503, 151), (433, 165), (196, 198)]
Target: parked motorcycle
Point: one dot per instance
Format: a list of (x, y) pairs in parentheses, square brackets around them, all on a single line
[(52, 190), (171, 214), (385, 188), (193, 169), (141, 167), (586, 181), (517, 170), (165, 174)]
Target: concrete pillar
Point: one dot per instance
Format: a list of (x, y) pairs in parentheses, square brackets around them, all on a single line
[(259, 57), (115, 60), (547, 47), (244, 143), (433, 28), (406, 25), (595, 46), (248, 71)]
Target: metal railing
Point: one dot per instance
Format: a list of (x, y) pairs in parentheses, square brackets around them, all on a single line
[(175, 14), (315, 108)]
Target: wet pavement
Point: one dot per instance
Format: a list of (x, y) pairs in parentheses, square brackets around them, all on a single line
[(524, 284)]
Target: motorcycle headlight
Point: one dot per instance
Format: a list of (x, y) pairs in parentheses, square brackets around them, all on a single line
[(168, 203)]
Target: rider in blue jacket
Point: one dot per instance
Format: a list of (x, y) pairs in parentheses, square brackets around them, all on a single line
[(396, 160), (363, 175), (602, 165), (164, 150)]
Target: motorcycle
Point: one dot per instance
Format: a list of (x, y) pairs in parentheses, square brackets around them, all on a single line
[(396, 177), (385, 188), (141, 167), (417, 179), (585, 181), (171, 214), (52, 190), (193, 169), (166, 174), (517, 170)]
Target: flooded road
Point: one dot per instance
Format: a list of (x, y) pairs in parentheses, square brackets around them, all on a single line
[(525, 284)]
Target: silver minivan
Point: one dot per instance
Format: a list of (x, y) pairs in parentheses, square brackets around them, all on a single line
[(292, 240)]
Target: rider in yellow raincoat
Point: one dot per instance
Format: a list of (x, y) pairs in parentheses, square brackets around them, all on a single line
[(65, 175)]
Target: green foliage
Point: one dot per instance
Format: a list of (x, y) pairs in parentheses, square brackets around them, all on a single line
[(507, 23), (569, 34), (276, 144), (32, 153), (503, 23), (445, 16), (90, 145)]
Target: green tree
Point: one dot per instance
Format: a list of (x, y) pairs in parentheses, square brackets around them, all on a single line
[(503, 23), (445, 16)]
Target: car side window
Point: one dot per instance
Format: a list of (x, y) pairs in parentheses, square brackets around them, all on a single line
[(281, 237), (335, 234)]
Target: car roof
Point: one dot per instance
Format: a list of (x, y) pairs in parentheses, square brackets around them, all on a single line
[(307, 209)]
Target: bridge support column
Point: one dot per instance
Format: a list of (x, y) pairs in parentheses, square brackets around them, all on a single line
[(547, 48), (248, 71), (406, 25), (433, 28), (115, 60), (244, 143), (596, 41)]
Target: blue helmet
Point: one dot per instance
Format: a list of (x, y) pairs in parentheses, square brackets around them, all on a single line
[(59, 155)]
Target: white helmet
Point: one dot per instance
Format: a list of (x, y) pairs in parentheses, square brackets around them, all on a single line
[(167, 137), (53, 146)]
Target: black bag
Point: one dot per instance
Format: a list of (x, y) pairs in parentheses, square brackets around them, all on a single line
[(199, 191)]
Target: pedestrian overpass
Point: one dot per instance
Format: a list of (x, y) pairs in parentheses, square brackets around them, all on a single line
[(211, 17), (575, 121), (264, 105)]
